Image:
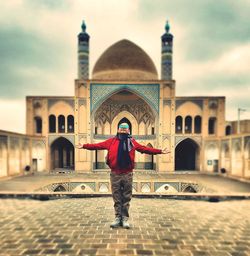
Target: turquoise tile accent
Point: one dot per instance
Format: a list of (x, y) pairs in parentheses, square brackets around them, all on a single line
[(100, 92)]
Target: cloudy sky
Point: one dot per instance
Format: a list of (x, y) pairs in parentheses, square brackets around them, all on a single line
[(38, 46)]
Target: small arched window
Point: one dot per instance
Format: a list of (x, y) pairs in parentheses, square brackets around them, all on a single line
[(212, 125), (178, 124), (228, 129), (197, 124), (61, 123), (52, 123), (188, 124), (70, 121), (38, 124)]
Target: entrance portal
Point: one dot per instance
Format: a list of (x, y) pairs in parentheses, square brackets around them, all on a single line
[(186, 155), (62, 154)]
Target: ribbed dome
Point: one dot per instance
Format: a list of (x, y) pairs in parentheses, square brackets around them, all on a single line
[(124, 60)]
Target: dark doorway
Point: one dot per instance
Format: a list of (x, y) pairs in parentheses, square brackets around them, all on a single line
[(34, 165), (62, 154), (125, 120), (185, 155)]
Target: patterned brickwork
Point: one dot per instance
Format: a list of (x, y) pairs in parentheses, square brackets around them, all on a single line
[(159, 227)]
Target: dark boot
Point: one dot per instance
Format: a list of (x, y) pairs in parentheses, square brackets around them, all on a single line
[(116, 223)]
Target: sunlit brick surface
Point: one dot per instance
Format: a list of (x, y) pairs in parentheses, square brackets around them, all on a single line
[(159, 227)]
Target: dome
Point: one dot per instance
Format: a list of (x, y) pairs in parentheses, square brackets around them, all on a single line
[(124, 60)]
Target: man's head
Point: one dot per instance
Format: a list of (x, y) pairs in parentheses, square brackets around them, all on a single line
[(123, 128)]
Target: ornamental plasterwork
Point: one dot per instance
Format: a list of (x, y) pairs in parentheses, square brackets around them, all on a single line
[(82, 136), (82, 102), (110, 109), (100, 92)]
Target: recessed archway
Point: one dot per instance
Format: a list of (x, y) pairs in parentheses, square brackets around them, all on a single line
[(62, 154), (186, 155)]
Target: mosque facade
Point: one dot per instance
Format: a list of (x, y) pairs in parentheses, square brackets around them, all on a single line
[(125, 87)]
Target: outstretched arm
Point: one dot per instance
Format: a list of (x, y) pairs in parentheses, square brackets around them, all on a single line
[(148, 150), (95, 146)]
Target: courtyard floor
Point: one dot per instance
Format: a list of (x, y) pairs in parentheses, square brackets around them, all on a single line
[(159, 227)]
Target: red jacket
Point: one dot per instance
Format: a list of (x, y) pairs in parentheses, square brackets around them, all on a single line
[(112, 144)]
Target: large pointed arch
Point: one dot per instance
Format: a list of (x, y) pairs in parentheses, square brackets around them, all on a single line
[(187, 155), (62, 154), (99, 93)]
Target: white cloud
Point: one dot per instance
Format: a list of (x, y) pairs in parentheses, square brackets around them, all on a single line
[(107, 22)]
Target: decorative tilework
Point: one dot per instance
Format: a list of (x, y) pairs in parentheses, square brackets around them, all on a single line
[(135, 188), (159, 184), (145, 187), (100, 92)]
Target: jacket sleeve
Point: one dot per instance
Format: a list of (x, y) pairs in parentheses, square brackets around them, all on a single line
[(96, 146), (144, 149)]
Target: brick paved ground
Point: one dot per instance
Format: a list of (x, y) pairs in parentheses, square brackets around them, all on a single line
[(159, 227)]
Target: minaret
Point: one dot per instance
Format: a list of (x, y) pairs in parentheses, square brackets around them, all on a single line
[(83, 53), (166, 54)]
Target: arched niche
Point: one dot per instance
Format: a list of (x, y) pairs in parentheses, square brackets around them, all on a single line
[(130, 117)]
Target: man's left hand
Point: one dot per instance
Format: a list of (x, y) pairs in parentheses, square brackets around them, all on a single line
[(165, 151)]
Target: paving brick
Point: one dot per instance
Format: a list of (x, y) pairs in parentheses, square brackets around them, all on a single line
[(144, 252)]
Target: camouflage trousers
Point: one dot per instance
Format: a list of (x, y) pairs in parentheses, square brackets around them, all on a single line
[(121, 185)]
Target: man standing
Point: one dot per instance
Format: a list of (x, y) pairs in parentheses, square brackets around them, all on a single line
[(120, 159)]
